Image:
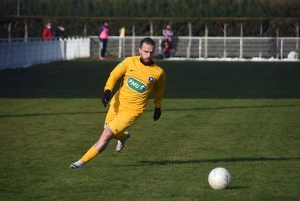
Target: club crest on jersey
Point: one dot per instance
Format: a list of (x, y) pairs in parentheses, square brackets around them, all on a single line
[(151, 79), (136, 85)]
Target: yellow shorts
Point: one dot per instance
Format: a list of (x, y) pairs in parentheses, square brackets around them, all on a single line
[(119, 121)]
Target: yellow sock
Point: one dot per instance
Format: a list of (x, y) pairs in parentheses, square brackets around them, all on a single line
[(91, 153), (121, 136)]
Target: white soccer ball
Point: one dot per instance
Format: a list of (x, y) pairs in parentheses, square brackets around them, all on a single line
[(219, 178)]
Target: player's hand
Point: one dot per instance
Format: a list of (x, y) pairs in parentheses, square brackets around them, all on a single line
[(157, 114), (106, 97)]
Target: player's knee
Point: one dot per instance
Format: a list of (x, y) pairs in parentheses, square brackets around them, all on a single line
[(107, 134)]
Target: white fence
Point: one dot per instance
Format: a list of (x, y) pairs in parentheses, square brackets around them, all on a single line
[(205, 47), (18, 53)]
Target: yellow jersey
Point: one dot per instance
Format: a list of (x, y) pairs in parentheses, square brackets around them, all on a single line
[(138, 83)]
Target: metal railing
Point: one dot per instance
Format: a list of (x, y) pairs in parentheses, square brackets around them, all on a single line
[(204, 47)]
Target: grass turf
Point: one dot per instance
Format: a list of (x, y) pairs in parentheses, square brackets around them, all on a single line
[(243, 116)]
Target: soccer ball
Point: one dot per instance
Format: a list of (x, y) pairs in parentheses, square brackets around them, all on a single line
[(219, 178)]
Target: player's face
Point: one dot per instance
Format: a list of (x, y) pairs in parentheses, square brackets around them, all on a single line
[(147, 53)]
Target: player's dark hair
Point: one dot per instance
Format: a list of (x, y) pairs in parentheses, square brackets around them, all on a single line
[(148, 41)]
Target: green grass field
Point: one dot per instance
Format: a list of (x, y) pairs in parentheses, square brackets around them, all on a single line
[(244, 116)]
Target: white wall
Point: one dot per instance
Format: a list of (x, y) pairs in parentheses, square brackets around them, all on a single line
[(17, 53)]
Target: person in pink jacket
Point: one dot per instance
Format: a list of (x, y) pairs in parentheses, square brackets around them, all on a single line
[(168, 33), (103, 35)]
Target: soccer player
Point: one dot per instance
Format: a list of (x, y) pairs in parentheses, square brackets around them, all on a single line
[(141, 76)]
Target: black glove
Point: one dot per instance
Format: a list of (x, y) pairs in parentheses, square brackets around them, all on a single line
[(157, 114), (106, 97)]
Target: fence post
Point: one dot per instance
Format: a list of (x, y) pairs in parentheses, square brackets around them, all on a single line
[(281, 48), (188, 51), (277, 45), (261, 32), (297, 35), (85, 30), (225, 26), (133, 41), (26, 31), (200, 47), (206, 38), (241, 47), (9, 32), (151, 28), (241, 42)]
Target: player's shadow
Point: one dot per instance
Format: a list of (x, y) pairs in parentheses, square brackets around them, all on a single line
[(225, 160)]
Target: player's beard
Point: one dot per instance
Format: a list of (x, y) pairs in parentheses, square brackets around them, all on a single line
[(146, 61)]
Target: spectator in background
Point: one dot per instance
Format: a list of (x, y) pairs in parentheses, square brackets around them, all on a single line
[(168, 33), (47, 32), (122, 32), (60, 32), (167, 50), (103, 35)]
